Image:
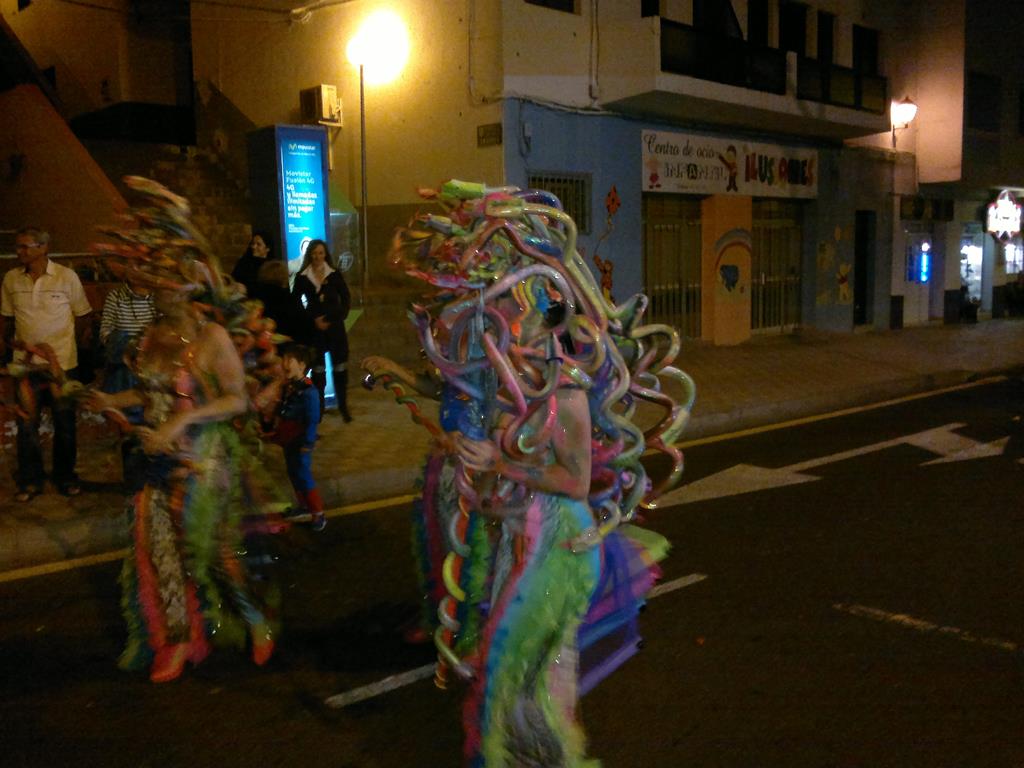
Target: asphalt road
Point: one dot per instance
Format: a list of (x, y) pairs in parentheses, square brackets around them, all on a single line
[(862, 606)]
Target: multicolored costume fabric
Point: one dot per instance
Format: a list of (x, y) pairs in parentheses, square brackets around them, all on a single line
[(563, 576), (203, 500), (183, 580), (521, 708)]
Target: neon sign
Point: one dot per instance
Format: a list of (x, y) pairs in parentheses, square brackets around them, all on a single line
[(1004, 216), (924, 267), (919, 261)]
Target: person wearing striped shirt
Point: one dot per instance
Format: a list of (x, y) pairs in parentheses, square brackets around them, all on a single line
[(127, 312), (128, 309)]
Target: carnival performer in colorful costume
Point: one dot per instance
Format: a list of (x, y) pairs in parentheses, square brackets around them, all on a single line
[(183, 582), (435, 512), (553, 377)]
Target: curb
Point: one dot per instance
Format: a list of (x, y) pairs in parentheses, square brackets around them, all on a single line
[(102, 528)]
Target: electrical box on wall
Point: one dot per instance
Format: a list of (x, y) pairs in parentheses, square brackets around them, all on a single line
[(320, 104)]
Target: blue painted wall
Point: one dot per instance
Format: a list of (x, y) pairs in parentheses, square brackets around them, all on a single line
[(540, 139), (606, 147), (849, 181)]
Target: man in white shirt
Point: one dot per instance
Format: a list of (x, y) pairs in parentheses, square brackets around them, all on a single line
[(42, 304)]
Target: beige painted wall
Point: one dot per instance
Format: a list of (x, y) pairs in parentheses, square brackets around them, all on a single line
[(52, 33), (420, 128), (97, 57), (940, 96), (547, 55), (60, 187)]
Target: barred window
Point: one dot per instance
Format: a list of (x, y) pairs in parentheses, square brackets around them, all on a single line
[(573, 189)]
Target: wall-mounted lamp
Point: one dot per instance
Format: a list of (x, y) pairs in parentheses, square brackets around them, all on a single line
[(901, 114)]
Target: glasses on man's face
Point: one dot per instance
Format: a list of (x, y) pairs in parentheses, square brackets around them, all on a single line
[(26, 246)]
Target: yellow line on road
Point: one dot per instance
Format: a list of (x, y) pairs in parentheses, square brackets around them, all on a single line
[(837, 414), (369, 506), (105, 557), (63, 565)]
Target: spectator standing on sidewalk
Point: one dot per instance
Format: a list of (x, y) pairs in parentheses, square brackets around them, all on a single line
[(279, 303), (296, 431), (43, 308), (128, 312), (249, 263), (325, 296)]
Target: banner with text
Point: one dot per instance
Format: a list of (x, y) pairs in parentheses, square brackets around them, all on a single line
[(705, 165), (302, 179)]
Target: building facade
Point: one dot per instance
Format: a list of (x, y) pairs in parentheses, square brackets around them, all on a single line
[(734, 159)]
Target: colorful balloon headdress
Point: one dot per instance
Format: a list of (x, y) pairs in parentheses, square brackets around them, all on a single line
[(158, 246), (492, 243)]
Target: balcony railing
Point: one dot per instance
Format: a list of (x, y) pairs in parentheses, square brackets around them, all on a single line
[(685, 51), (841, 86)]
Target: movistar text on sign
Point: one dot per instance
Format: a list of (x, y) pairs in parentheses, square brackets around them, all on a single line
[(303, 188)]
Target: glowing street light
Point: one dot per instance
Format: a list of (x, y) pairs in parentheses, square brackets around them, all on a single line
[(380, 49), (380, 46), (901, 114)]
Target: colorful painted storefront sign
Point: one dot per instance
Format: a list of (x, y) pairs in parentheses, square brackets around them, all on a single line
[(705, 165), (1004, 216)]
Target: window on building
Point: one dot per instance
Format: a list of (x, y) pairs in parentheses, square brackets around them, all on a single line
[(865, 50), (793, 27), (757, 22), (826, 37), (650, 8), (718, 17), (569, 6), (23, 4), (984, 104), (573, 189), (1020, 113), (1014, 257)]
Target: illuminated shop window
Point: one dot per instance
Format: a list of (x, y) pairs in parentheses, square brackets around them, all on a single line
[(1014, 257), (970, 268)]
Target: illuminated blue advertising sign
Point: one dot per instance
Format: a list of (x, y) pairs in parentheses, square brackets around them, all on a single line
[(302, 184)]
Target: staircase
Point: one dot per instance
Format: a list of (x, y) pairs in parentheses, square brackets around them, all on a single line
[(220, 206), (220, 211)]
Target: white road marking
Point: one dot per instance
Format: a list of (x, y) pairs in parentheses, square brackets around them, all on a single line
[(834, 414), (402, 679), (381, 686), (352, 509), (672, 586), (925, 627), (746, 478)]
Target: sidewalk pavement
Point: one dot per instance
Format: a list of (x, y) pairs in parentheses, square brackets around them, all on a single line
[(767, 380)]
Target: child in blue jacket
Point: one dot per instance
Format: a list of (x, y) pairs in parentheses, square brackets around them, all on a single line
[(295, 430)]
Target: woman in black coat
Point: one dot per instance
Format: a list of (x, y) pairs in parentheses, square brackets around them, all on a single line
[(323, 292), (280, 304), (255, 256)]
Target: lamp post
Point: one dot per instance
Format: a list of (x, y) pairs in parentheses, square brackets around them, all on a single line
[(380, 49), (901, 114)]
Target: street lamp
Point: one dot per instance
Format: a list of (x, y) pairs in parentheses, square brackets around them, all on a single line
[(380, 49), (901, 114)]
